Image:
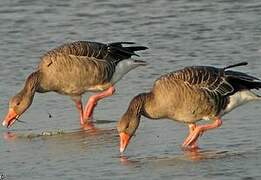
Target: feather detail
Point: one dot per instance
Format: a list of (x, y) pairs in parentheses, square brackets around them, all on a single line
[(111, 52), (218, 83)]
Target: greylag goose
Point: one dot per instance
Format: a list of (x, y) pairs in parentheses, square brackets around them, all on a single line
[(73, 69), (190, 95)]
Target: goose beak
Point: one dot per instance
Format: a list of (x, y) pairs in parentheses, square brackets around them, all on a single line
[(10, 118), (124, 141)]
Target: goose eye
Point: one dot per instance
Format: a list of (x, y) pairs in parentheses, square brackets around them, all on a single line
[(18, 104)]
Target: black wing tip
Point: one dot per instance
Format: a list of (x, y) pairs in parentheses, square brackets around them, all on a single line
[(127, 42), (124, 52), (142, 47), (120, 43)]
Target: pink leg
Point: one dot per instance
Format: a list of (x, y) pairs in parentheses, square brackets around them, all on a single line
[(198, 131), (85, 125), (92, 102), (194, 145), (80, 109), (192, 127)]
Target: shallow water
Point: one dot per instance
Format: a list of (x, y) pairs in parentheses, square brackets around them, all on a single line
[(179, 33)]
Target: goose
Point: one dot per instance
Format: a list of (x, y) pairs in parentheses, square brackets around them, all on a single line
[(189, 95), (73, 69)]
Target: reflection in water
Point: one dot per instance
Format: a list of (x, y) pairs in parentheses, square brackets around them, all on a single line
[(91, 125), (124, 160), (185, 33), (197, 154), (9, 136), (162, 161), (86, 129), (12, 135), (60, 144), (88, 126), (93, 137)]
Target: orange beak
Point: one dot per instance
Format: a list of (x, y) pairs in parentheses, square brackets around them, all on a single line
[(124, 141), (10, 118)]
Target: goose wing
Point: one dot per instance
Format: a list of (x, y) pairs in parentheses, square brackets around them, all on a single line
[(218, 81), (110, 52), (210, 79)]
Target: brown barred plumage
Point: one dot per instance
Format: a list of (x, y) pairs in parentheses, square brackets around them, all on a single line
[(189, 95), (73, 69)]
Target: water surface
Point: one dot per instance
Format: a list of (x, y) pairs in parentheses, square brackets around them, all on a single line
[(179, 33)]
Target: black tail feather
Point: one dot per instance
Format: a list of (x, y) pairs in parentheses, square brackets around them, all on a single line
[(242, 84), (119, 52), (120, 43), (136, 48), (235, 65), (240, 75), (242, 81)]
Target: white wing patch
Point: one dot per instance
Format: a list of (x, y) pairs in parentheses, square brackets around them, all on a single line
[(240, 98), (122, 68)]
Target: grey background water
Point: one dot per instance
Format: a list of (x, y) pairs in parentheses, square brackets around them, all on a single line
[(178, 33)]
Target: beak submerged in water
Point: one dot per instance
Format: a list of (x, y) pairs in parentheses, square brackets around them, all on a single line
[(10, 118), (124, 141)]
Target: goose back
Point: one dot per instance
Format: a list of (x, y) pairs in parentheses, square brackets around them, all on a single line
[(77, 67), (114, 52), (197, 92)]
